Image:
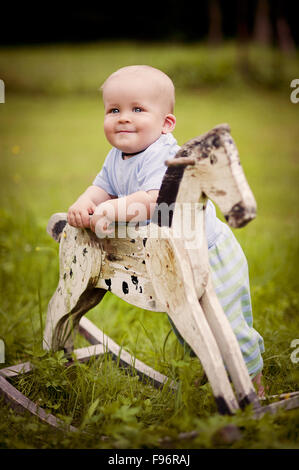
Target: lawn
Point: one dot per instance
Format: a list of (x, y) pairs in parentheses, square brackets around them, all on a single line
[(51, 147)]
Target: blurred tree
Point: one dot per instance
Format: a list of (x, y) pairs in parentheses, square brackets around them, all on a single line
[(215, 23), (283, 30), (215, 20), (242, 21), (243, 37), (263, 32)]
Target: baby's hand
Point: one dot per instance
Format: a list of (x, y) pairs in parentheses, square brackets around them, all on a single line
[(100, 225), (101, 220), (79, 213)]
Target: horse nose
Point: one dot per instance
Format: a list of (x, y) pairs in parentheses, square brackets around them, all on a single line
[(240, 215)]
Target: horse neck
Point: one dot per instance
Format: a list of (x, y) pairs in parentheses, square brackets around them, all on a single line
[(190, 188), (180, 185)]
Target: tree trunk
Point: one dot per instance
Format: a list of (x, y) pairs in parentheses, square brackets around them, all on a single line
[(242, 37), (262, 28), (215, 27), (283, 30)]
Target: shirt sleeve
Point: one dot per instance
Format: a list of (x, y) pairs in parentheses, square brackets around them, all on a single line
[(152, 171), (103, 179)]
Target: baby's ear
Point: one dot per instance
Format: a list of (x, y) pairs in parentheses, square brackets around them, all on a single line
[(169, 123)]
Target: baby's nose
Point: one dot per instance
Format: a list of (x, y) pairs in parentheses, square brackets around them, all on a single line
[(124, 117)]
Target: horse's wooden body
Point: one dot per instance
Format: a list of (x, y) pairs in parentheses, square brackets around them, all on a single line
[(161, 267)]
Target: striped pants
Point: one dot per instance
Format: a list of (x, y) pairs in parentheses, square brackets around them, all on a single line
[(229, 270)]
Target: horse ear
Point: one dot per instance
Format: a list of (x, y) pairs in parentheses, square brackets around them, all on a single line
[(180, 161)]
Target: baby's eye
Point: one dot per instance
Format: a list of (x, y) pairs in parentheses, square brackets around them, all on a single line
[(114, 110), (137, 110)]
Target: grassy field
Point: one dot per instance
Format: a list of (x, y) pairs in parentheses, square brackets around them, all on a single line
[(51, 146)]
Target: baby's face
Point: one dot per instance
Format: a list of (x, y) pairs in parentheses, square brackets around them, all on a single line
[(135, 113)]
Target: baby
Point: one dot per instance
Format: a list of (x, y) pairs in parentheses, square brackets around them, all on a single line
[(139, 102), (138, 123)]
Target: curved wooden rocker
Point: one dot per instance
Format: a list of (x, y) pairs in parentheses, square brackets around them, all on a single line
[(162, 267)]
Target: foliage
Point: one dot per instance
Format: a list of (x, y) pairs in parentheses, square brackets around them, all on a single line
[(48, 133), (82, 68)]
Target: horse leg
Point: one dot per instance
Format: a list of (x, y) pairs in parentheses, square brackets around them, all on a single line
[(221, 329), (79, 267), (229, 347), (169, 268)]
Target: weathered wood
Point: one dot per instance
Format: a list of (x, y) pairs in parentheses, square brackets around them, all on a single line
[(168, 274), (13, 371), (118, 264), (180, 161), (94, 335), (123, 271), (283, 396), (219, 176), (166, 258), (80, 263), (287, 404), (222, 179), (88, 352), (229, 348), (215, 152), (21, 403), (56, 224)]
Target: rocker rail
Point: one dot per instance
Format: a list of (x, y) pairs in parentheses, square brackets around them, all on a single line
[(94, 335), (100, 344)]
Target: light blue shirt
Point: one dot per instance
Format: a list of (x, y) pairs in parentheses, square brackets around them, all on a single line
[(142, 172), (145, 172)]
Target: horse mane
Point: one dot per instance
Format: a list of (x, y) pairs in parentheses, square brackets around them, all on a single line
[(167, 195)]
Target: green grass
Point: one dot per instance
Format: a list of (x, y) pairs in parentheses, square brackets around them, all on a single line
[(51, 146)]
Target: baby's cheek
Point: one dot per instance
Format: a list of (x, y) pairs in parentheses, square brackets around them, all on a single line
[(108, 126)]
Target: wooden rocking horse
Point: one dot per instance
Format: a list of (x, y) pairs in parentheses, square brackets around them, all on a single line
[(159, 268)]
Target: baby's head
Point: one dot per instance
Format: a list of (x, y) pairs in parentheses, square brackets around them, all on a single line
[(139, 103)]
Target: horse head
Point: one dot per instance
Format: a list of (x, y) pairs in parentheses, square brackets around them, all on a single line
[(214, 159)]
